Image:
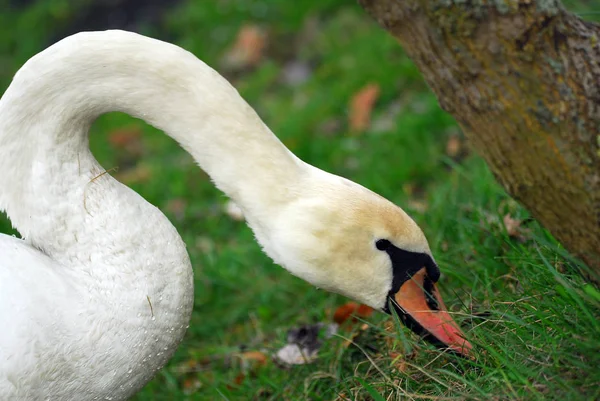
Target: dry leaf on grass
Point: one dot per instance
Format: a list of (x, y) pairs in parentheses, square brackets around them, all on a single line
[(140, 173), (250, 361), (398, 361), (417, 205), (361, 106), (187, 372), (350, 309), (514, 228), (512, 225), (128, 139), (248, 48), (456, 147), (191, 384), (354, 334), (253, 358), (348, 316), (453, 146)]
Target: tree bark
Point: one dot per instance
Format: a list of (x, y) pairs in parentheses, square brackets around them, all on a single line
[(522, 78)]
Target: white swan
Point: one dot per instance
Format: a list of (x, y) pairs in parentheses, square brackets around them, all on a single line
[(96, 298)]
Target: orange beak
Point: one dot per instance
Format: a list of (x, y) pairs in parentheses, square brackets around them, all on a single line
[(420, 306)]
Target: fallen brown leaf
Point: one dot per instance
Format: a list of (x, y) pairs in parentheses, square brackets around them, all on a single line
[(255, 357), (190, 385), (248, 48), (140, 173), (354, 334), (128, 138), (361, 106), (239, 379), (418, 205), (398, 361), (514, 228), (250, 361), (345, 311), (453, 146), (364, 311), (512, 225)]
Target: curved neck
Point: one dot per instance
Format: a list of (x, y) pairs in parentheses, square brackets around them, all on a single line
[(46, 112)]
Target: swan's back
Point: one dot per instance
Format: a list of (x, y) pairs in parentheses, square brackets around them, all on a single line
[(38, 303), (70, 333)]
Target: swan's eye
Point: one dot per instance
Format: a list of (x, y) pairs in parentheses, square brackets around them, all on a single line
[(382, 244)]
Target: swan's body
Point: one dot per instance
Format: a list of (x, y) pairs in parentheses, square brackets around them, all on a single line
[(98, 295)]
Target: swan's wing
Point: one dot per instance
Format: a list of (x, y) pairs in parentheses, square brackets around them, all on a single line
[(33, 297)]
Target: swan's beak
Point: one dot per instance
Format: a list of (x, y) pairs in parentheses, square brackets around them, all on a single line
[(420, 306)]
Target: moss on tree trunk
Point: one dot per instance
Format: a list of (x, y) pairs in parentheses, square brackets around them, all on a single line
[(522, 78)]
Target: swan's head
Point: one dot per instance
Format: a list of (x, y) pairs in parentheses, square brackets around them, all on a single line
[(344, 238)]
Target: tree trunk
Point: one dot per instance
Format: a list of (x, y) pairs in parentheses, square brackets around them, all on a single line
[(522, 78)]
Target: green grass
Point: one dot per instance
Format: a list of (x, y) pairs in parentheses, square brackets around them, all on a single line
[(533, 320)]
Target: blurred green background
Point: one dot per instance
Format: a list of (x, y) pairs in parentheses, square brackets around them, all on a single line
[(342, 95)]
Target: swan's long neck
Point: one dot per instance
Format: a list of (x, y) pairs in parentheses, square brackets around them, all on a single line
[(133, 287), (46, 113)]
